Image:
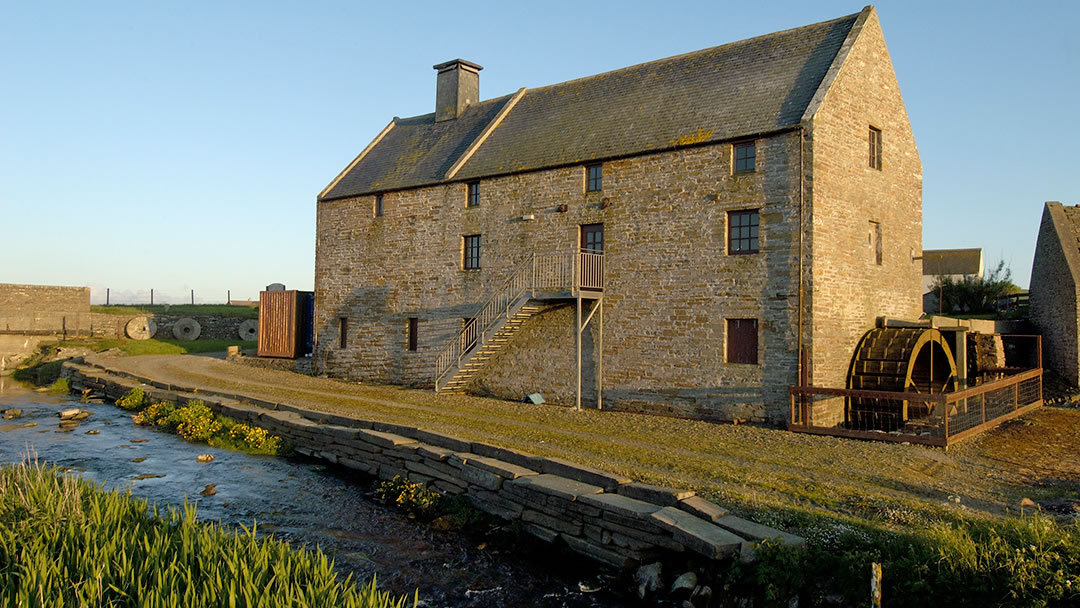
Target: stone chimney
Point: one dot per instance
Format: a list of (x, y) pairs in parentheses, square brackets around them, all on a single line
[(457, 87)]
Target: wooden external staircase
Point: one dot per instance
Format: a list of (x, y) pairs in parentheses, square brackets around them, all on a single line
[(539, 282)]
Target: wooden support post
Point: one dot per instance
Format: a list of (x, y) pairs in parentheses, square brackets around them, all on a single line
[(599, 354), (577, 343)]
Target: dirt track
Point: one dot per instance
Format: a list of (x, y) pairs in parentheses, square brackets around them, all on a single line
[(767, 473)]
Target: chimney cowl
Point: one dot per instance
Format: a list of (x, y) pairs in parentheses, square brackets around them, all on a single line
[(457, 87)]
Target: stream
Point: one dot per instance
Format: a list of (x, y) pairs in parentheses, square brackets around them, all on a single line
[(305, 503)]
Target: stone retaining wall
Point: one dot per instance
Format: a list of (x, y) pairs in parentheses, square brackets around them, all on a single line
[(604, 516), (212, 327), (44, 309)]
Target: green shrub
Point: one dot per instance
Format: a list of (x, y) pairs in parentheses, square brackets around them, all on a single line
[(134, 399), (154, 414), (194, 421), (60, 387), (413, 498), (66, 542)]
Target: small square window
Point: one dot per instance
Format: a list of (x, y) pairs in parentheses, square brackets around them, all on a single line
[(471, 259), (472, 199), (742, 341), (743, 231), (875, 148), (744, 156), (594, 178), (414, 324), (378, 208)]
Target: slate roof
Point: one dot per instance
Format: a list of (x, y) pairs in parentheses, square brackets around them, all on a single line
[(741, 89), (952, 262)]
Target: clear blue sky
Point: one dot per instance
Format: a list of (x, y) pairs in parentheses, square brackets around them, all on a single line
[(181, 145)]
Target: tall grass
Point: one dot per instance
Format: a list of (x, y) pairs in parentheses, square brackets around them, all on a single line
[(67, 542)]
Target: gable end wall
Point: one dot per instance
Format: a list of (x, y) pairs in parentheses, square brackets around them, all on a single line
[(849, 290), (1055, 297)]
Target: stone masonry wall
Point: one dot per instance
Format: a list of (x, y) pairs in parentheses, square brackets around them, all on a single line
[(1055, 292), (211, 327), (850, 200), (670, 285), (44, 309), (603, 516)]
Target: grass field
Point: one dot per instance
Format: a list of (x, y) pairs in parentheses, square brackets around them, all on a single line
[(945, 525)]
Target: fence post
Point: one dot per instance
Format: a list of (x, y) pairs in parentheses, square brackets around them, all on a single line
[(106, 296), (192, 297), (945, 415), (151, 296)]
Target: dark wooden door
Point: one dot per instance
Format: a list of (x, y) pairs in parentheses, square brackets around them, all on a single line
[(592, 238), (591, 271)]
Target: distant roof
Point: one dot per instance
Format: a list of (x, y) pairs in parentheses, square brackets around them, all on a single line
[(745, 88), (952, 262)]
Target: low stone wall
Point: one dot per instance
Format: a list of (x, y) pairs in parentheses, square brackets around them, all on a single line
[(212, 327), (603, 516)]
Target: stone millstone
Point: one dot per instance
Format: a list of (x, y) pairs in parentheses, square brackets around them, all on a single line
[(249, 330), (140, 328), (186, 329)]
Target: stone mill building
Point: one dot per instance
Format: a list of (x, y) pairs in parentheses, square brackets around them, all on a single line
[(688, 236)]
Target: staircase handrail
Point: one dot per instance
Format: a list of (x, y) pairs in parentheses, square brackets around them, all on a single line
[(536, 272), (515, 286)]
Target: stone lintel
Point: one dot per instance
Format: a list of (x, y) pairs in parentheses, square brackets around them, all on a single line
[(554, 485), (623, 505), (582, 473), (702, 508), (383, 440), (665, 497), (697, 534)]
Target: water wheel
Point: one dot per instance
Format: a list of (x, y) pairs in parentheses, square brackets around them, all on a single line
[(898, 359)]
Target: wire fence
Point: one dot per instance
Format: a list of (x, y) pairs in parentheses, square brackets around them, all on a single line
[(155, 297)]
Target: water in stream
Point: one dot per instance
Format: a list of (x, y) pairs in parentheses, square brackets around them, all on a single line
[(302, 502)]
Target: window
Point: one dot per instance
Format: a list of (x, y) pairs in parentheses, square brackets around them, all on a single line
[(594, 178), (875, 148), (413, 326), (744, 156), (742, 232), (471, 259), (378, 209), (472, 199), (343, 332), (742, 340), (875, 242)]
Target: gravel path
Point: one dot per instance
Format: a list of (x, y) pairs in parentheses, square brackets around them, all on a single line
[(772, 475)]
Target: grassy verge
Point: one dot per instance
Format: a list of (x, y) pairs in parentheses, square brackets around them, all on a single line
[(220, 310), (66, 542)]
